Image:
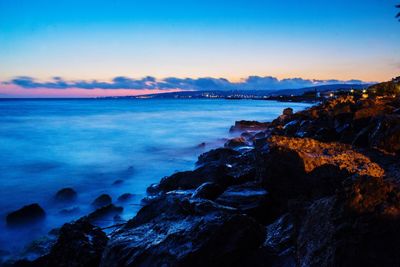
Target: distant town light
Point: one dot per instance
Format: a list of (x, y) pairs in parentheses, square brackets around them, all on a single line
[(331, 94), (364, 91), (352, 91)]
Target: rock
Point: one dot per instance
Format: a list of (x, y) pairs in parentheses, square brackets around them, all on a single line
[(101, 214), (220, 156), (26, 215), (79, 244), (249, 198), (67, 194), (177, 232), (192, 179), (293, 168), (331, 237), (236, 142), (287, 111), (386, 134), (125, 197), (208, 191), (102, 200), (249, 126)]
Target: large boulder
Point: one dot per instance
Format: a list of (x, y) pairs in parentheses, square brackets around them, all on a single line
[(29, 214), (359, 226), (293, 168)]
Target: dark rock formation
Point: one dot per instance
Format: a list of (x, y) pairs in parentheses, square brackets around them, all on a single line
[(79, 244), (67, 194), (103, 213), (208, 191), (125, 197), (180, 232), (102, 200), (29, 214)]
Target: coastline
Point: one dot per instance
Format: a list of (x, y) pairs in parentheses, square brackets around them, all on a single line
[(282, 193)]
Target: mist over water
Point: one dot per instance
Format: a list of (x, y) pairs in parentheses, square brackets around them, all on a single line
[(46, 145)]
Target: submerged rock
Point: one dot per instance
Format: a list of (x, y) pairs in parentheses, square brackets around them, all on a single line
[(102, 200), (125, 197), (67, 194), (26, 215), (101, 214)]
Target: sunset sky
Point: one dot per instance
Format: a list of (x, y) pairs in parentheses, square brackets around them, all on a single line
[(119, 47)]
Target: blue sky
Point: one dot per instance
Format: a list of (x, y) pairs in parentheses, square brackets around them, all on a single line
[(85, 40)]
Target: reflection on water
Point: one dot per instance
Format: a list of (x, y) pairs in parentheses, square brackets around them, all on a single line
[(47, 145)]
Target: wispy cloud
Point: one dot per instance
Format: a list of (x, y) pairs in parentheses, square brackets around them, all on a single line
[(151, 83)]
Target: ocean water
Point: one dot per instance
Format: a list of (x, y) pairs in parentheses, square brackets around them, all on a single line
[(88, 144)]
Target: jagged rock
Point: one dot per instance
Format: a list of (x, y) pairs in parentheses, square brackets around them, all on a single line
[(305, 168), (335, 234), (176, 232), (219, 155), (208, 191), (102, 200), (67, 194), (249, 198), (29, 214), (192, 179)]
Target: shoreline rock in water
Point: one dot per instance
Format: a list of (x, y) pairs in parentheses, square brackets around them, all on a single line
[(318, 187)]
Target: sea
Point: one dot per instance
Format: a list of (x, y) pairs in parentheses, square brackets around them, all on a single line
[(89, 144)]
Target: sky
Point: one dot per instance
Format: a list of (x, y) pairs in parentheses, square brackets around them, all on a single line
[(123, 47)]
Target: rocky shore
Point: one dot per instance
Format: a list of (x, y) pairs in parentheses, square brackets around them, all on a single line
[(318, 187)]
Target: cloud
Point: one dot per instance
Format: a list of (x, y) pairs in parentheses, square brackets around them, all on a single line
[(151, 83)]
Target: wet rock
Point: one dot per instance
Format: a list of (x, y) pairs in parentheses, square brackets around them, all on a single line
[(178, 232), (287, 111), (103, 213), (67, 194), (236, 142), (125, 197), (220, 156), (208, 191), (102, 200), (249, 198), (249, 126), (192, 179), (79, 244), (26, 215)]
